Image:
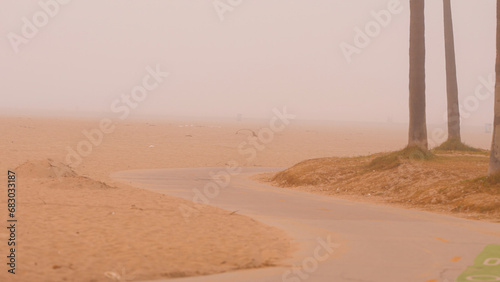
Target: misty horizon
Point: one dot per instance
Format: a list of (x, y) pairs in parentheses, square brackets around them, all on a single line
[(243, 61)]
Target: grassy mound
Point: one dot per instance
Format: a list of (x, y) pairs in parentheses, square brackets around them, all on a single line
[(318, 171), (450, 182), (397, 158), (456, 145)]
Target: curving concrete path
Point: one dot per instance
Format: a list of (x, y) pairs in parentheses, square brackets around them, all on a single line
[(339, 240)]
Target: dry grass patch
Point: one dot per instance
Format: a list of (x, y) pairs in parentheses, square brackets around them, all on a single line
[(453, 182), (456, 145)]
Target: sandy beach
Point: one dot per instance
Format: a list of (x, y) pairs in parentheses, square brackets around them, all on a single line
[(77, 224)]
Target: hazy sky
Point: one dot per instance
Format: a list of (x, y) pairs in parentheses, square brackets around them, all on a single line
[(263, 54)]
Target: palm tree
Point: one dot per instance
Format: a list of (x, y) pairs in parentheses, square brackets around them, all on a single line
[(495, 144), (451, 76), (417, 133)]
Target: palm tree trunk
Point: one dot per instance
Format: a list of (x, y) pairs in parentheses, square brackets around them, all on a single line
[(451, 75), (495, 144), (417, 133)]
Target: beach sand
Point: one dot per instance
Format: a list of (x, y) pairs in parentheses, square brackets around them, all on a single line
[(78, 224)]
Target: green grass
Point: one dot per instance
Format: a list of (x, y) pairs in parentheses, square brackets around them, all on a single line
[(394, 159), (456, 145)]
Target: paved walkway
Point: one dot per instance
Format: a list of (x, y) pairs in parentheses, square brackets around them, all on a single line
[(339, 240)]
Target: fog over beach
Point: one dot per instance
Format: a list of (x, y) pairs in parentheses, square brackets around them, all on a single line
[(233, 140), (261, 55)]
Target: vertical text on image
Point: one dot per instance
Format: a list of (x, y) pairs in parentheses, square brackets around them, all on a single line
[(11, 221)]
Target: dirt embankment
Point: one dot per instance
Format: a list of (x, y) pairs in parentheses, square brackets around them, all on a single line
[(452, 183)]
